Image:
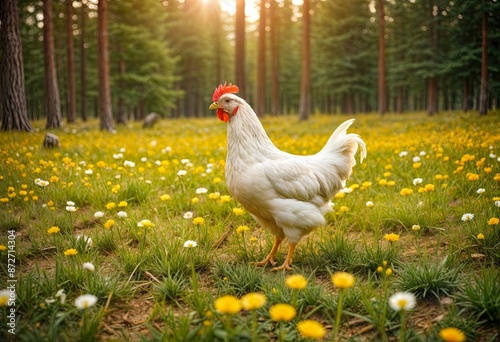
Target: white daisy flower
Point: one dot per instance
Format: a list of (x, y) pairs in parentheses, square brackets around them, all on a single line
[(128, 163), (467, 217), (200, 191), (369, 204), (121, 214), (402, 301), (188, 215), (190, 244), (481, 191), (85, 301), (181, 173), (98, 214), (403, 153), (61, 295), (416, 159), (88, 266), (89, 171), (417, 181)]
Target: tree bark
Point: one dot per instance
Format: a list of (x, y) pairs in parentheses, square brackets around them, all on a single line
[(483, 96), (305, 78), (13, 98), (432, 80), (52, 100), (71, 63), (83, 64), (240, 47), (104, 86), (382, 97), (261, 63)]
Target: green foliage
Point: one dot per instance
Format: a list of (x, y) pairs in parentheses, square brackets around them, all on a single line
[(481, 296), (428, 278)]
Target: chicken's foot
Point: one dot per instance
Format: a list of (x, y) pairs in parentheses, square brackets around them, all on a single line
[(288, 259), (270, 257)]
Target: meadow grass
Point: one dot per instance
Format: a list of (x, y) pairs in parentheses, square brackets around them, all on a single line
[(142, 220)]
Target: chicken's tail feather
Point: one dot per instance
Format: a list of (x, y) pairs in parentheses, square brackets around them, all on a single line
[(346, 145), (340, 141)]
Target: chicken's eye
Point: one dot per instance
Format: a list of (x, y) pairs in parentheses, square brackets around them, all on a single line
[(227, 100)]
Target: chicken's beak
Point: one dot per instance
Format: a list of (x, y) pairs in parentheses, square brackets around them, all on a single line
[(214, 105)]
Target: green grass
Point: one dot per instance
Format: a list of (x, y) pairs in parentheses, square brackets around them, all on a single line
[(152, 288)]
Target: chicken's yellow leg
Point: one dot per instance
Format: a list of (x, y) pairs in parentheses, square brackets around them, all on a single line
[(288, 259), (270, 257)]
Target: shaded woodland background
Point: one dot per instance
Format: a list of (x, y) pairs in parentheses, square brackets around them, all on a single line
[(343, 57)]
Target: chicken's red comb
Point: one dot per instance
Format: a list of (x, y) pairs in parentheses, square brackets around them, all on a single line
[(224, 89)]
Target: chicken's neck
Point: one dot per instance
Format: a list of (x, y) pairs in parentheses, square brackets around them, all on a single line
[(247, 140)]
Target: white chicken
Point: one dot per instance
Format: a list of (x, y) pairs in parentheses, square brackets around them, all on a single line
[(285, 193)]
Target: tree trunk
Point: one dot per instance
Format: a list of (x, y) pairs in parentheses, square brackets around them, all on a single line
[(104, 87), (382, 97), (83, 64), (483, 96), (52, 100), (305, 78), (432, 80), (260, 103), (13, 98), (275, 85), (71, 63), (240, 47)]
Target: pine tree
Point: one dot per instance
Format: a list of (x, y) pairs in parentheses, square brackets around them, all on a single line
[(13, 100)]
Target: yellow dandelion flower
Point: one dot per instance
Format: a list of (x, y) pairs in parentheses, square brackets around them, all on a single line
[(253, 301), (145, 224), (165, 197), (4, 199), (253, 239), (109, 223), (110, 205), (195, 200), (452, 334), (225, 198), (199, 221), (217, 180), (296, 282), (343, 280), (391, 237), (344, 209), (493, 221), (229, 305), (282, 312), (122, 204), (214, 195), (3, 248), (480, 236), (311, 329), (405, 191), (238, 211), (70, 252), (472, 176), (241, 229), (417, 165), (388, 272), (53, 230)]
